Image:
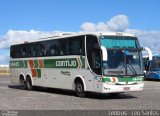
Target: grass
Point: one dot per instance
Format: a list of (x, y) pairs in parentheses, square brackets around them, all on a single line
[(4, 71)]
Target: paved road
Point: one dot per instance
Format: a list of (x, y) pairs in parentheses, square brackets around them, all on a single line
[(13, 98)]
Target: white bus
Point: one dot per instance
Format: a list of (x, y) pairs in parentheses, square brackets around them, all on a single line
[(106, 62)]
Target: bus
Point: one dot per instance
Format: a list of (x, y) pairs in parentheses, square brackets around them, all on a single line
[(152, 68), (101, 62)]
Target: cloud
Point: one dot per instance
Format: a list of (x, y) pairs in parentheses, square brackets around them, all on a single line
[(149, 39), (14, 36), (20, 36), (88, 26), (101, 26), (116, 23), (4, 59), (120, 23)]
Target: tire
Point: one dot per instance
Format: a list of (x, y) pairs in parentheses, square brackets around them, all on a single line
[(113, 94), (29, 83), (23, 83), (79, 89), (145, 77)]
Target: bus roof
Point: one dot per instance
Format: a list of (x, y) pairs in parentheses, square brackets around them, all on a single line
[(74, 34)]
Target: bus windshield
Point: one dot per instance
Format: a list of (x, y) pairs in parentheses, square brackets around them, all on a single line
[(124, 56), (155, 64)]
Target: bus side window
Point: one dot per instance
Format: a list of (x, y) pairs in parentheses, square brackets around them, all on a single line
[(32, 50), (24, 52), (63, 47), (77, 45), (42, 49), (53, 50), (59, 47), (17, 51), (12, 52)]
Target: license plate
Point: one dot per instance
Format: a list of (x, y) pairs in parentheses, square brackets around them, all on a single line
[(126, 88)]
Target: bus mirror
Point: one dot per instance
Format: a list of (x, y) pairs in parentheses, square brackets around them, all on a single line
[(104, 53), (149, 52), (147, 65)]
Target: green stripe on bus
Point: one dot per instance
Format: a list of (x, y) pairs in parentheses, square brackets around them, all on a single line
[(63, 63), (36, 65), (106, 80), (39, 73), (49, 63), (18, 64), (52, 63), (124, 79), (83, 62), (25, 63)]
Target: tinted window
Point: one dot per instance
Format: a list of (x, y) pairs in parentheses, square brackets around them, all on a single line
[(77, 45), (64, 47), (12, 51), (94, 54), (24, 51), (19, 51), (59, 47), (53, 47), (32, 50)]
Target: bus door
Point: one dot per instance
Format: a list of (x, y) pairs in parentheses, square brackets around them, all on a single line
[(94, 60), (97, 68)]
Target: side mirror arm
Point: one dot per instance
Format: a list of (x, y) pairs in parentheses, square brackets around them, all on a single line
[(149, 52), (104, 53)]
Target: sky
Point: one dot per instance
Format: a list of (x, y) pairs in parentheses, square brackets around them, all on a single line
[(22, 20)]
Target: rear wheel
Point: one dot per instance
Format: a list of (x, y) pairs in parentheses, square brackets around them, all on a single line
[(29, 83), (80, 89), (23, 83)]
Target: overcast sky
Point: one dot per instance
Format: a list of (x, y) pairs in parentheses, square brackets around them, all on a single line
[(22, 20)]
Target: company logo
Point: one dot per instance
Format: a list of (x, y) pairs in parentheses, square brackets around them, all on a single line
[(137, 79), (65, 73), (66, 63), (14, 64)]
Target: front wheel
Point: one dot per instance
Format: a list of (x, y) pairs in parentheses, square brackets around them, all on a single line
[(80, 89), (145, 77)]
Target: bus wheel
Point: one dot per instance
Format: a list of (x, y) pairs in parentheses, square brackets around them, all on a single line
[(80, 89), (145, 78), (29, 83), (113, 94), (22, 83)]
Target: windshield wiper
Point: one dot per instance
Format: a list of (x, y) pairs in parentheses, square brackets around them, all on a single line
[(128, 64), (132, 69)]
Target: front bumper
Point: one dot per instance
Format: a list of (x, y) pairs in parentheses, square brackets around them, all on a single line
[(106, 88)]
